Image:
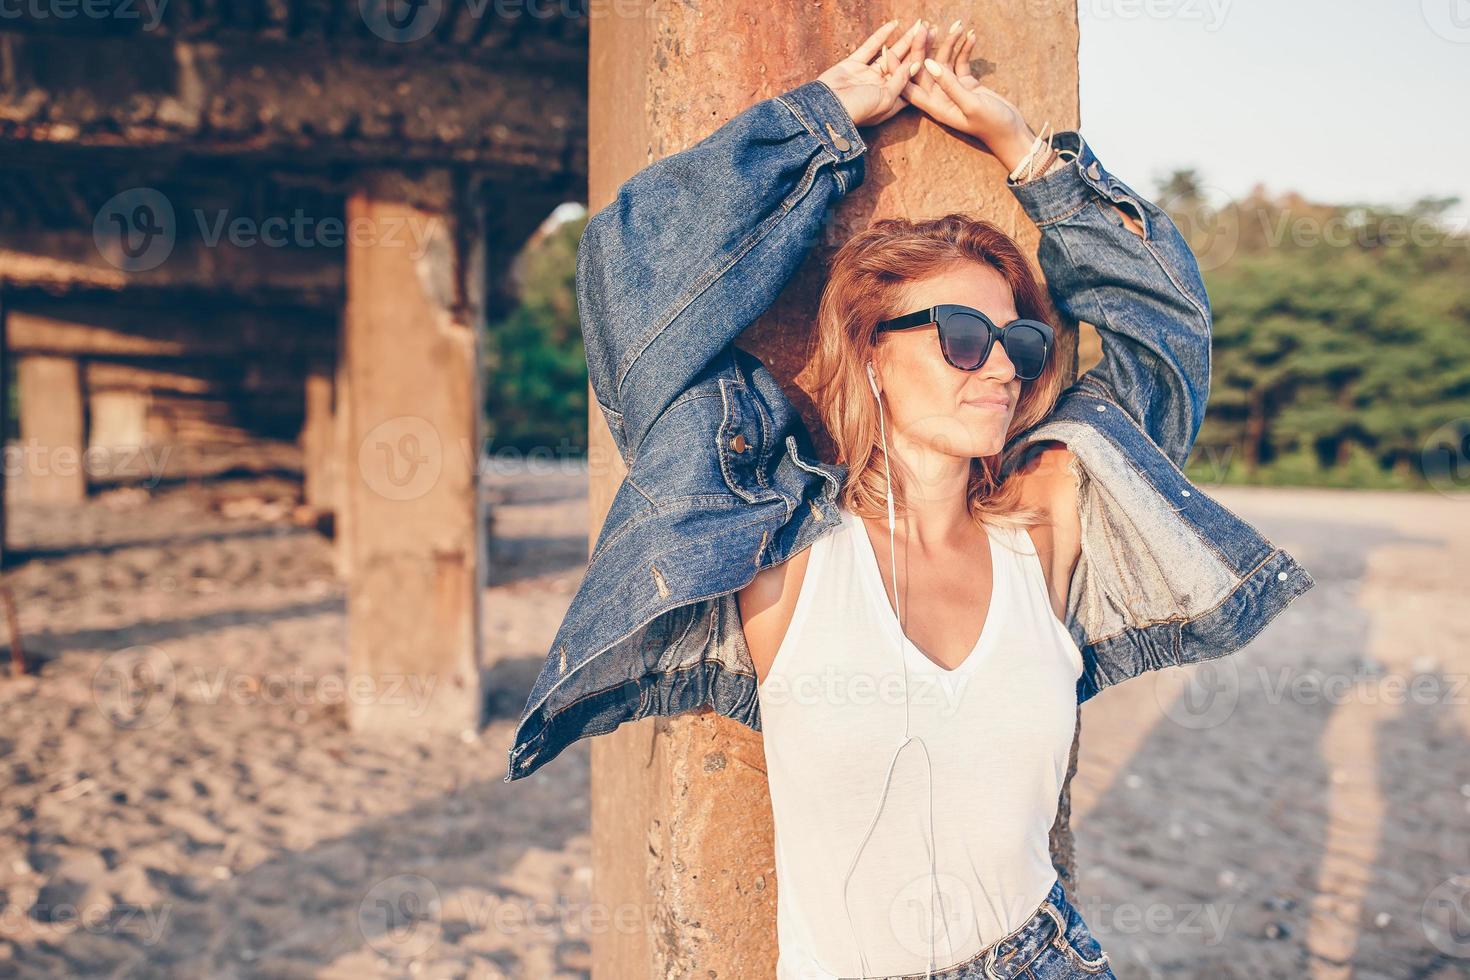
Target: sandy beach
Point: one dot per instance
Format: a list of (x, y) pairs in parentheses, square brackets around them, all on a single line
[(1300, 810)]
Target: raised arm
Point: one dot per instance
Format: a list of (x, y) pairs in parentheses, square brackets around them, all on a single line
[(697, 245), (1110, 257), (1143, 292)]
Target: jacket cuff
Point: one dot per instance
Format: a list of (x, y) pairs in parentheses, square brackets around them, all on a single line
[(818, 109), (1064, 189)]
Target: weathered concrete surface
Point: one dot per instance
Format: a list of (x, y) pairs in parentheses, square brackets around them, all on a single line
[(320, 462), (681, 815), (517, 107), (410, 465), (53, 428)]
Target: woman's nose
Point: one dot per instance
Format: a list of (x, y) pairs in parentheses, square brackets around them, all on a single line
[(998, 364)]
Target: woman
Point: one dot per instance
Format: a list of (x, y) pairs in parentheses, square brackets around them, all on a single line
[(964, 548), (908, 668)]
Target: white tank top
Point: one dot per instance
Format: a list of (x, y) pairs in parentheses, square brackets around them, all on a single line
[(998, 730)]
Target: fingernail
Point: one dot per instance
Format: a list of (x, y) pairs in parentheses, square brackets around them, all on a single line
[(913, 69), (935, 68), (918, 23), (971, 32), (954, 27)]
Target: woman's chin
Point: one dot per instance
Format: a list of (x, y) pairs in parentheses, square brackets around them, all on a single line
[(965, 434), (987, 430)]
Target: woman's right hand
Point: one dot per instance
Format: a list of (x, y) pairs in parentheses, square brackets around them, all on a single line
[(947, 91), (869, 81)]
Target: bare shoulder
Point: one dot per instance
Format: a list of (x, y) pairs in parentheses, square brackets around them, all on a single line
[(1048, 483), (1046, 473), (766, 608)]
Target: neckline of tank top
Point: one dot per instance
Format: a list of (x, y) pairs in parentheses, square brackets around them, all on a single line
[(995, 615)]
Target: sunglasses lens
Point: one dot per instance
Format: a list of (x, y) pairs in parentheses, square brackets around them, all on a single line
[(965, 339), (1025, 345)]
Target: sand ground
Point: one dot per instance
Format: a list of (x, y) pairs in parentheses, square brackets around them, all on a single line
[(1300, 811)]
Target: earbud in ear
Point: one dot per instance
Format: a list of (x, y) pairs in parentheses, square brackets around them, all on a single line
[(872, 380)]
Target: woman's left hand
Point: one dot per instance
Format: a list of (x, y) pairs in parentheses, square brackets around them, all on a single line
[(869, 80), (948, 92)]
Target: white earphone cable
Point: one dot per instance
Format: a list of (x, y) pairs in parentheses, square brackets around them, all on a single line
[(928, 767)]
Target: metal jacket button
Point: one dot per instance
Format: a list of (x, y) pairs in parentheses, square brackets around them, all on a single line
[(738, 443), (838, 140)]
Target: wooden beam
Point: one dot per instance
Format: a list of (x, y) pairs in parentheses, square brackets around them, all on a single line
[(86, 328)]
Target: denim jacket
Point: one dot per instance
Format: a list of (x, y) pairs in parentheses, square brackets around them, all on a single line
[(722, 477)]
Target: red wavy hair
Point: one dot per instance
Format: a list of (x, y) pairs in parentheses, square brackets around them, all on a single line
[(865, 282)]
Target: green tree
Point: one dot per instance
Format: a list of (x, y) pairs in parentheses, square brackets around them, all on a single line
[(1342, 339), (535, 365)]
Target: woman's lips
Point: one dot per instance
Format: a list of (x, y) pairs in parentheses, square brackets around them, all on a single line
[(996, 404)]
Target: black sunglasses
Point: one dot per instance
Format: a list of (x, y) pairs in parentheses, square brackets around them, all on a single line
[(966, 336)]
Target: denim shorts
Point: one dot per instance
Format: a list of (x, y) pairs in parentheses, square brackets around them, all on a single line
[(1054, 944)]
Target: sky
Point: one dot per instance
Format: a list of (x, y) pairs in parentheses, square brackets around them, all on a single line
[(1349, 101), (1346, 101)]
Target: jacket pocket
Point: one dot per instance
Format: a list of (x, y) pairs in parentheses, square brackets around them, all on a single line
[(743, 442)]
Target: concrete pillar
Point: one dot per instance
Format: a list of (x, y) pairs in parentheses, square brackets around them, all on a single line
[(5, 362), (53, 428), (414, 317), (319, 458), (681, 816), (118, 419), (346, 465)]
